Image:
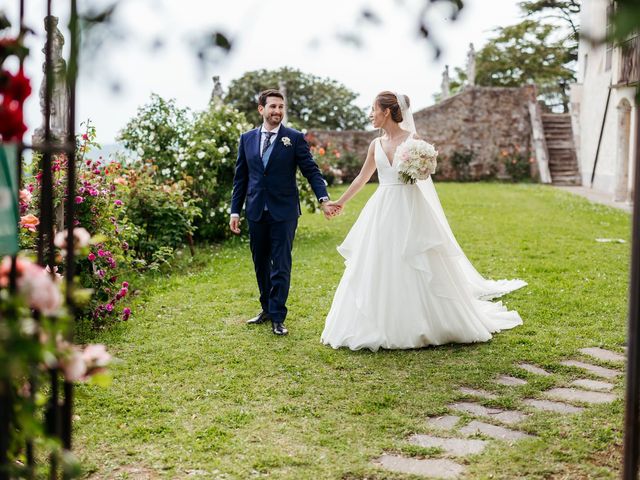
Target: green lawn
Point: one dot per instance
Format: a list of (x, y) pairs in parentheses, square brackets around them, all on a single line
[(197, 392)]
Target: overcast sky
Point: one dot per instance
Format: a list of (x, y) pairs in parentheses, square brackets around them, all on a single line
[(268, 34)]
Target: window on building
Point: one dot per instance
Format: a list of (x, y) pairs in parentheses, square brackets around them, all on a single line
[(609, 52)]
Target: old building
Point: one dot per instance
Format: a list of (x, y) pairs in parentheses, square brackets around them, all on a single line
[(603, 105)]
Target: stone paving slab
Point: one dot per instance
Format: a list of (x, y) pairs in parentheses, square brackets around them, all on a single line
[(509, 417), (510, 381), (577, 395), (550, 406), (476, 392), (534, 369), (593, 385), (493, 431), (594, 369), (446, 422), (429, 467), (602, 354), (453, 446)]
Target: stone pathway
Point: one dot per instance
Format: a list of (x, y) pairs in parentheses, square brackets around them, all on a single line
[(464, 437)]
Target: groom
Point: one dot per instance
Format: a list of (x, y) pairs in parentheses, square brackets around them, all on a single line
[(265, 176)]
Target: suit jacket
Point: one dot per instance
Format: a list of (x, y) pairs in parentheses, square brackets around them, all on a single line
[(274, 185)]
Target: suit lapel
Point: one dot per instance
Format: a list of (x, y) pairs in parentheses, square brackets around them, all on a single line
[(254, 144)]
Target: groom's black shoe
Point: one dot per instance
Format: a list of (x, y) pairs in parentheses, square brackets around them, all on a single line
[(263, 317), (278, 328)]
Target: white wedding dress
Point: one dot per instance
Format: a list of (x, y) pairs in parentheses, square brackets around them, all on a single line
[(407, 282)]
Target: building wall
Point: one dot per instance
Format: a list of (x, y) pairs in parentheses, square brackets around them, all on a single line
[(481, 120), (588, 100)]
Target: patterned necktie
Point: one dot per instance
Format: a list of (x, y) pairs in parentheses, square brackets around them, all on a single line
[(267, 142)]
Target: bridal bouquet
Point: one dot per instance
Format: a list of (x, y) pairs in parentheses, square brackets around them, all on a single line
[(417, 160)]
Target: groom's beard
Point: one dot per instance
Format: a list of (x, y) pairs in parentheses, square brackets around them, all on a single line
[(274, 120)]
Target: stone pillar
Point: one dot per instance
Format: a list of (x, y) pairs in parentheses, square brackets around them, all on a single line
[(623, 153), (445, 84), (471, 66), (217, 92)]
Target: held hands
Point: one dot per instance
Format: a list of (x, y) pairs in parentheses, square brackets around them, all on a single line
[(331, 209)]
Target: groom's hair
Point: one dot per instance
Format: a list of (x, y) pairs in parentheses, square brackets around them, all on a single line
[(270, 92)]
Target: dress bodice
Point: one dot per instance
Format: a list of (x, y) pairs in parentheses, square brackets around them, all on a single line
[(387, 170)]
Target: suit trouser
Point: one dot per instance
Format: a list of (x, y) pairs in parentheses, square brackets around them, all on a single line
[(271, 244)]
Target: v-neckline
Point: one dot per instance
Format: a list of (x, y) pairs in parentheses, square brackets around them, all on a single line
[(390, 160)]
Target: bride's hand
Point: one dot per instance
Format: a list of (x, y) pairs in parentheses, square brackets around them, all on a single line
[(333, 209)]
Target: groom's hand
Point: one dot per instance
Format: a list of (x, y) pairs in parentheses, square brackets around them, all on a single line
[(234, 225)]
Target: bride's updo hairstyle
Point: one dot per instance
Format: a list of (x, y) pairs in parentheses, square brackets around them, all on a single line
[(389, 100)]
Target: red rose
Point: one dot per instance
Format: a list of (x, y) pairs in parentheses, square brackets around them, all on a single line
[(12, 125), (15, 87)]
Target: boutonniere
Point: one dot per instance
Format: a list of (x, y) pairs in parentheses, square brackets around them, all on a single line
[(286, 141)]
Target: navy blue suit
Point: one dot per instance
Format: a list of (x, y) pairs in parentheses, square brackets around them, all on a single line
[(272, 230)]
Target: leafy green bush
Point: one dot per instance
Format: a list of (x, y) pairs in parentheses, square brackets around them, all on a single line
[(159, 134), (209, 160), (163, 215), (517, 162), (460, 161)]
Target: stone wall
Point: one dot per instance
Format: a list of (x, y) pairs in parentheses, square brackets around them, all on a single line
[(479, 123)]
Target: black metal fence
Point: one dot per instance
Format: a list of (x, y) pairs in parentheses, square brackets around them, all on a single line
[(59, 406)]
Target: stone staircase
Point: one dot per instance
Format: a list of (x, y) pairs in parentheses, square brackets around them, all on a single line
[(558, 134)]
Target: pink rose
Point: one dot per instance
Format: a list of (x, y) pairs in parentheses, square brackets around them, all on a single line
[(25, 196), (80, 235), (96, 355), (73, 365), (79, 199), (41, 291), (30, 222), (91, 257)]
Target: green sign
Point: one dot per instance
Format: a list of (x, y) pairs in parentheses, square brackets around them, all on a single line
[(9, 216)]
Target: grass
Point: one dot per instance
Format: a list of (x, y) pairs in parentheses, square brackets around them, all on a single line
[(198, 393)]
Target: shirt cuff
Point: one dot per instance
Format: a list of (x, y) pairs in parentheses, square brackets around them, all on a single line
[(235, 215), (323, 199)]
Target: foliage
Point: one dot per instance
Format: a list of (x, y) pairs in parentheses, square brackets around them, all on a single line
[(34, 353), (327, 157), (198, 150), (527, 53), (163, 215), (532, 51), (159, 134), (209, 160), (312, 101), (460, 161), (517, 162)]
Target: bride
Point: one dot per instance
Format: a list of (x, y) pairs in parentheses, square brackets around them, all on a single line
[(407, 283)]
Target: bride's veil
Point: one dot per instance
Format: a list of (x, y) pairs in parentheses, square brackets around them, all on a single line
[(481, 287)]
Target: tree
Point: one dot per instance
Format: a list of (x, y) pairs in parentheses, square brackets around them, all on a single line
[(524, 53), (528, 53), (564, 10), (312, 102)]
